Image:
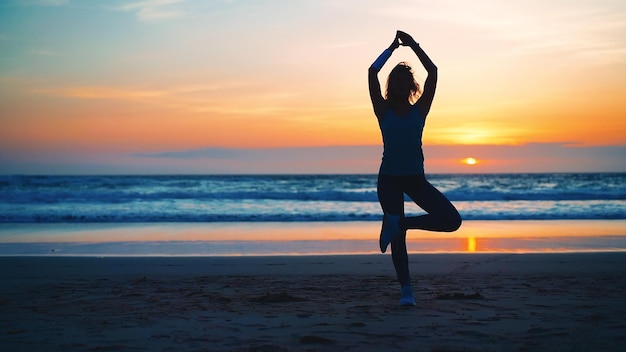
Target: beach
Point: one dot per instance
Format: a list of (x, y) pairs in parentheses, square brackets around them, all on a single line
[(465, 302), (303, 238)]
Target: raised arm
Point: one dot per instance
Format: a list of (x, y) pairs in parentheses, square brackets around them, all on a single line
[(428, 93), (378, 102)]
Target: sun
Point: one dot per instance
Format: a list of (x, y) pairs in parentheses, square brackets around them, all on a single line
[(470, 161)]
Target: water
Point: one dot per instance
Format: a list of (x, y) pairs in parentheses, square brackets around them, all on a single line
[(299, 198), (301, 214)]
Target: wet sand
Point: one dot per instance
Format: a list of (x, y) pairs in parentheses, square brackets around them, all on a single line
[(303, 238), (465, 302)]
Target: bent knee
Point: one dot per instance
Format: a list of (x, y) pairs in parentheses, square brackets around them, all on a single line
[(454, 224)]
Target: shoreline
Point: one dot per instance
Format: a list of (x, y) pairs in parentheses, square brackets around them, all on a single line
[(304, 238), (469, 302)]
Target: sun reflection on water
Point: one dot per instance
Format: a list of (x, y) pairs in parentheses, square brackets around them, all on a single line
[(471, 244)]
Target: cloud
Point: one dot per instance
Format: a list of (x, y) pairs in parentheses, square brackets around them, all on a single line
[(288, 154), (532, 157), (208, 153), (46, 2), (216, 97), (528, 158), (95, 92), (586, 29), (155, 10), (301, 160)]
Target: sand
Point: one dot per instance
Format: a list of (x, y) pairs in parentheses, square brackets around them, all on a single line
[(466, 302)]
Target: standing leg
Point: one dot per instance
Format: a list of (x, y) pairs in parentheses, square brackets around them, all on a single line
[(391, 199), (390, 195), (401, 259), (442, 216)]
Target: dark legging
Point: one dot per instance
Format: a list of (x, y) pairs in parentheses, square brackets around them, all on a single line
[(441, 215)]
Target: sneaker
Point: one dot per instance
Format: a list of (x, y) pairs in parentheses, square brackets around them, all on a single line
[(390, 230), (407, 296)]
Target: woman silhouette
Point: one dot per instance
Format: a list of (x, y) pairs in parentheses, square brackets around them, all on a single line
[(401, 115)]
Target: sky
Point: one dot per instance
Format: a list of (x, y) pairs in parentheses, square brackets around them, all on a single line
[(192, 87)]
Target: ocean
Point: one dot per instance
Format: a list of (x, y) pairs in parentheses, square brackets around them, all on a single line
[(288, 198), (232, 201)]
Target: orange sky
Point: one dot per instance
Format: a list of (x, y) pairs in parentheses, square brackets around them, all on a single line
[(80, 79)]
